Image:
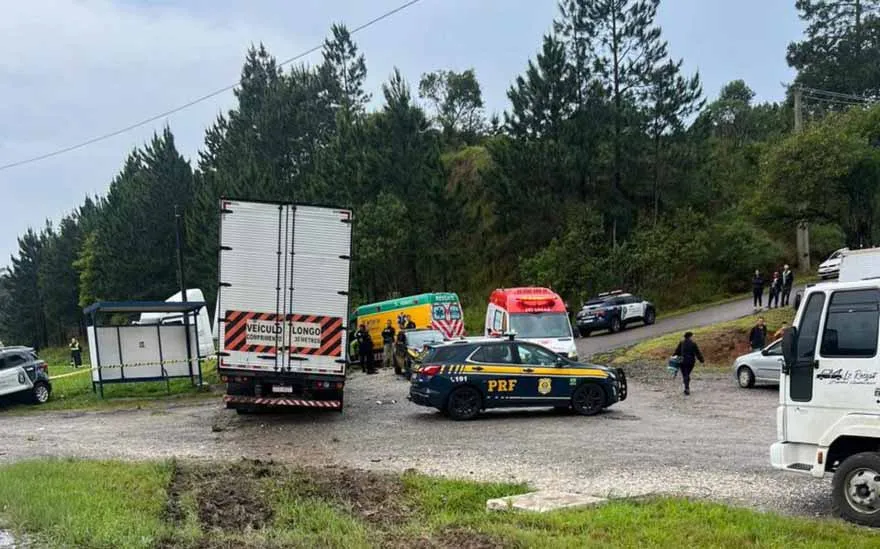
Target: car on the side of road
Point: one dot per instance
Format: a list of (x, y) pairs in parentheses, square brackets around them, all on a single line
[(413, 344), (830, 268), (463, 378), (614, 311), (24, 375), (761, 366)]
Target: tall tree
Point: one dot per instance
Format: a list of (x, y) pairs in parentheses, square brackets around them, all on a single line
[(627, 49), (347, 71), (842, 45), (672, 98), (25, 323), (542, 99), (457, 102)]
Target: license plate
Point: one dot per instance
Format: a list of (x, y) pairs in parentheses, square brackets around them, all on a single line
[(282, 389)]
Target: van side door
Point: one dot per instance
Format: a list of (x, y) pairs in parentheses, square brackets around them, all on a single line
[(799, 390)]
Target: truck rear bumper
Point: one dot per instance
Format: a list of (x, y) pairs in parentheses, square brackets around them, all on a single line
[(281, 402)]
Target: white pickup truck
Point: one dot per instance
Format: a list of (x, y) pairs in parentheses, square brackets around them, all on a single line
[(828, 419)]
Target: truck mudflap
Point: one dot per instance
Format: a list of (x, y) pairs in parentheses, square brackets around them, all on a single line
[(282, 402)]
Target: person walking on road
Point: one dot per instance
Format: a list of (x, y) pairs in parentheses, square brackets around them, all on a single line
[(758, 335), (758, 290), (787, 283), (75, 353), (388, 345), (365, 350), (690, 353)]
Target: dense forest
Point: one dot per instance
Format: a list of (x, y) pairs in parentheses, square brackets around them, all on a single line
[(611, 167)]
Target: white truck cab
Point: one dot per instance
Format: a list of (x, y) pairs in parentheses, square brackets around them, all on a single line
[(828, 419)]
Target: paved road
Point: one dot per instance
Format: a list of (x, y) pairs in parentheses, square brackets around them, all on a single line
[(657, 441), (604, 341)]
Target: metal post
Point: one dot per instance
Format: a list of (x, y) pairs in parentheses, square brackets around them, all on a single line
[(98, 354), (181, 275), (803, 228)]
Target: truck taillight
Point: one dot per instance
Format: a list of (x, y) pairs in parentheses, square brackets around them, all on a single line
[(429, 371)]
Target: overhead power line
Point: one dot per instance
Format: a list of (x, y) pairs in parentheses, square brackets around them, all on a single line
[(195, 101)]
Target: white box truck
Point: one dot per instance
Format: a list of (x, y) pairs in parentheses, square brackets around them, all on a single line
[(828, 419), (282, 303)]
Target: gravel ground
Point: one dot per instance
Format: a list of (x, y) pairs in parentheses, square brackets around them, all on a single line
[(713, 444)]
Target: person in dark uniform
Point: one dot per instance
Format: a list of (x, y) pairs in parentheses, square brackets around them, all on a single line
[(758, 290), (690, 353), (787, 283), (775, 291), (75, 353), (388, 345), (365, 350), (758, 335), (401, 321), (410, 325)]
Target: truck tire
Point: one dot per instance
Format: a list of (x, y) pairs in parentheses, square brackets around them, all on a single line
[(464, 403), (855, 489)]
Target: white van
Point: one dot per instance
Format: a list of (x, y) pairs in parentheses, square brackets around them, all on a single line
[(860, 265), (206, 338)]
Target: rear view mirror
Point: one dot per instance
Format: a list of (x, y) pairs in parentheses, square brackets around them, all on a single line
[(789, 348)]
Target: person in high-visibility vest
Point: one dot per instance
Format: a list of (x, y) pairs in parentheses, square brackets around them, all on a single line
[(75, 353)]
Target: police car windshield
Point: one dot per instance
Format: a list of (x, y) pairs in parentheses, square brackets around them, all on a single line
[(539, 325)]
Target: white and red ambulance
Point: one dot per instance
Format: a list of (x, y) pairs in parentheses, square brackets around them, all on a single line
[(538, 315)]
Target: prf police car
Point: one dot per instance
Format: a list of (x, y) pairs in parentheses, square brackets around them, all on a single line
[(23, 374), (613, 311), (461, 378)]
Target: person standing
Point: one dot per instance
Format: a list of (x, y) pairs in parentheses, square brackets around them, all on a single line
[(388, 345), (410, 325), (758, 290), (758, 335), (365, 349), (787, 283), (775, 291), (75, 353), (690, 353), (401, 321)]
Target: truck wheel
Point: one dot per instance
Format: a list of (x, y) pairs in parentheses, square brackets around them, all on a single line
[(855, 492), (588, 399), (650, 317), (745, 377), (464, 403)]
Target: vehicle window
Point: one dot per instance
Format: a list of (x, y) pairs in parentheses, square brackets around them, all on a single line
[(809, 328), (534, 355), (496, 322), (538, 325), (2, 362), (15, 360), (448, 354), (775, 349), (851, 324), (494, 354)]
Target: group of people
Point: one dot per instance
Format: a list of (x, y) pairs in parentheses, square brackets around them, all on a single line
[(365, 348), (779, 288)]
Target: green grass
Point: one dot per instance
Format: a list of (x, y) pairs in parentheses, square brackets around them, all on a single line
[(75, 391), (93, 504), (114, 504), (714, 340)]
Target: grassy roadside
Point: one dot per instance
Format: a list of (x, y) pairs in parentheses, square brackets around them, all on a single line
[(72, 388), (720, 344), (260, 505)]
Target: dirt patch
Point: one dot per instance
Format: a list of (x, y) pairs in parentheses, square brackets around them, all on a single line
[(374, 497), (720, 347), (228, 496), (450, 538)]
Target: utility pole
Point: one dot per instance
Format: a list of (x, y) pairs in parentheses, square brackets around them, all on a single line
[(803, 229)]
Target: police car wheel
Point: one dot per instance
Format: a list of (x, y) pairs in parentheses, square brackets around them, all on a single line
[(464, 403), (588, 399), (616, 325), (650, 317), (41, 393)]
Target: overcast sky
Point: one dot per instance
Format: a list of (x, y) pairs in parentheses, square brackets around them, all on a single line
[(74, 69)]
